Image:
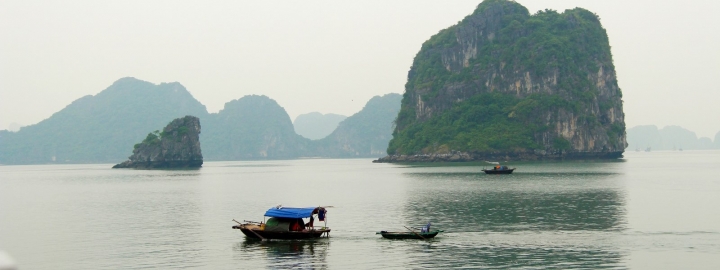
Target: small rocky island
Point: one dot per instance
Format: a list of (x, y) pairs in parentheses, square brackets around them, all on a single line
[(177, 146)]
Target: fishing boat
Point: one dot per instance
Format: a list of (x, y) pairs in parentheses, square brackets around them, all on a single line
[(287, 223), (499, 169), (409, 235)]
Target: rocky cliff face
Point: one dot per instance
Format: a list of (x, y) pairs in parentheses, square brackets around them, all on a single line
[(177, 146), (555, 70)]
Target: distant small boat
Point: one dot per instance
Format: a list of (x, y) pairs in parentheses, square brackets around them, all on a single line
[(499, 169), (409, 235), (422, 233)]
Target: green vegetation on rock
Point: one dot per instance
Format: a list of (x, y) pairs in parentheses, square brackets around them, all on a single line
[(177, 146), (502, 80), (485, 122)]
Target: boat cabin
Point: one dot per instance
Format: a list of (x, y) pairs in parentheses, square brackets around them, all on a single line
[(291, 219), (500, 167)]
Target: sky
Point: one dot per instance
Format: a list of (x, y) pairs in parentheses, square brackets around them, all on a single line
[(325, 56)]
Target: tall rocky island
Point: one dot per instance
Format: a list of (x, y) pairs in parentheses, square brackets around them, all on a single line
[(506, 85), (177, 146)]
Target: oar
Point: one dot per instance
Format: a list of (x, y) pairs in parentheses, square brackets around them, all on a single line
[(423, 238), (258, 235)]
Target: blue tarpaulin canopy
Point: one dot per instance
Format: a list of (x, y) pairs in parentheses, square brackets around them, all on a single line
[(289, 212)]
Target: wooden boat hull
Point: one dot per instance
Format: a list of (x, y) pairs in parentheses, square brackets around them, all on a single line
[(409, 235), (289, 235), (508, 171)]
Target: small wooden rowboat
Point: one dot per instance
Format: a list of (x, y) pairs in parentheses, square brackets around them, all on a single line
[(408, 235)]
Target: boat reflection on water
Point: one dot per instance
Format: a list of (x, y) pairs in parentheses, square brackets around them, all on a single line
[(510, 211), (283, 254)]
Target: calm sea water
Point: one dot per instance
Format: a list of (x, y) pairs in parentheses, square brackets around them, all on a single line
[(656, 210)]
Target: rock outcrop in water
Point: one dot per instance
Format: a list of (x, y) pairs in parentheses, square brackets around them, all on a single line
[(504, 84), (177, 146)]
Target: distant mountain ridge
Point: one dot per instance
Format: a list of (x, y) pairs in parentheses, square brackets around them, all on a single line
[(103, 128), (364, 134), (668, 138), (252, 127)]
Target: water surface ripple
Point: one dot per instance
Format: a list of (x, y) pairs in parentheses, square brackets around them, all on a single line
[(640, 212)]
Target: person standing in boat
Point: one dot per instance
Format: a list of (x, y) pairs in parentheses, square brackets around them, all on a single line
[(426, 228), (309, 225)]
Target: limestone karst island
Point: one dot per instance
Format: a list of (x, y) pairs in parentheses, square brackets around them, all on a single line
[(506, 85), (176, 146)]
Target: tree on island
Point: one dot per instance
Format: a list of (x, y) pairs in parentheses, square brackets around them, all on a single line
[(177, 146)]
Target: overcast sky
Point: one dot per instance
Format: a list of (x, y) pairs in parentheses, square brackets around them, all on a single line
[(326, 56)]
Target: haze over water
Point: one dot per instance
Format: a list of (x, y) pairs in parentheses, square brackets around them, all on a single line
[(651, 210)]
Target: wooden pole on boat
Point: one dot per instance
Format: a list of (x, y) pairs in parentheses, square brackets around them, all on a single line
[(258, 235), (423, 238)]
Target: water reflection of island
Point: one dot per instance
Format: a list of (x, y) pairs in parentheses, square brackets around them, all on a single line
[(503, 207), (566, 220), (282, 254), (439, 255)]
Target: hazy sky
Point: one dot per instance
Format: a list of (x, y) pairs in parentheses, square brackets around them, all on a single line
[(326, 56)]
